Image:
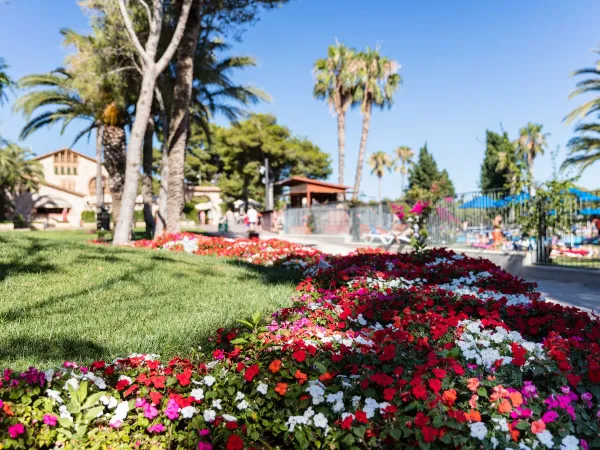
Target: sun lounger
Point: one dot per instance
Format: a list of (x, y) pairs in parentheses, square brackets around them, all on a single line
[(385, 238)]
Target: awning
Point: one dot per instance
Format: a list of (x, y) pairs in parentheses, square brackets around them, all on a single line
[(481, 202), (51, 203)]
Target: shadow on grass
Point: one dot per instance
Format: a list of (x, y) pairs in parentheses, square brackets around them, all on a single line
[(61, 349), (268, 275), (28, 258)]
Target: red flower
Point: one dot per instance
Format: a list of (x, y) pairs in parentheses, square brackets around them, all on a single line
[(518, 354), (429, 434), (299, 355), (388, 394), (435, 385), (419, 391), (122, 384), (155, 397), (361, 416), (185, 377), (439, 373), (347, 423), (421, 420), (235, 443), (251, 372)]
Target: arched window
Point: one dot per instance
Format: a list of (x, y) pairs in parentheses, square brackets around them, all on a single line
[(92, 186)]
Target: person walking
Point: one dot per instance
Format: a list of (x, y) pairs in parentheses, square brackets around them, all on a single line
[(252, 215), (229, 218)]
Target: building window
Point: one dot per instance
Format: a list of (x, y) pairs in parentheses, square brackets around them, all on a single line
[(74, 170), (56, 170), (68, 171), (62, 170)]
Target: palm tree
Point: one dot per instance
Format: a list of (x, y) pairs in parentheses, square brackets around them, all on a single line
[(379, 162), (18, 173), (212, 92), (335, 82), (514, 162), (533, 143), (5, 82), (58, 92), (377, 81), (584, 150), (404, 154)]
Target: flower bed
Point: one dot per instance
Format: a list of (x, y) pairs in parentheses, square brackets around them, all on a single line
[(432, 350)]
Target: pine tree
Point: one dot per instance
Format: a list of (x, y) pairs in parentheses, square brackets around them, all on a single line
[(491, 176), (425, 172)]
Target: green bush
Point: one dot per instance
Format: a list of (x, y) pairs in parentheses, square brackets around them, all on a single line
[(88, 216), (189, 209)]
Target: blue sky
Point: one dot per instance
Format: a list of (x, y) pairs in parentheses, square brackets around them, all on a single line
[(467, 66)]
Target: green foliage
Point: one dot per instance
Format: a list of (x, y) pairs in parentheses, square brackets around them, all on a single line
[(380, 162), (236, 153), (493, 177), (425, 182), (584, 148), (88, 216), (18, 173), (189, 209), (5, 82)]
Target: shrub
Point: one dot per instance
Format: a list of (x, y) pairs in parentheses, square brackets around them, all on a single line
[(377, 350), (88, 216)]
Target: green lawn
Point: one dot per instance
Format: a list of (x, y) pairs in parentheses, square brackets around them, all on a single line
[(62, 299)]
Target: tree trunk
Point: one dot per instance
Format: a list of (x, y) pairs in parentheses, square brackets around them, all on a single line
[(2, 204), (402, 183), (132, 173), (341, 126), (99, 184), (361, 151), (179, 121), (113, 140), (147, 178), (161, 222)]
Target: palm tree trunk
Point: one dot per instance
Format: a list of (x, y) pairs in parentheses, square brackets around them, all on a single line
[(530, 157), (161, 222), (341, 128), (2, 204), (402, 182), (379, 188), (99, 184), (147, 178), (361, 151), (179, 123), (133, 160), (113, 140)]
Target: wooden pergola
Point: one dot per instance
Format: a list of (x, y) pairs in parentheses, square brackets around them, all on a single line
[(313, 190)]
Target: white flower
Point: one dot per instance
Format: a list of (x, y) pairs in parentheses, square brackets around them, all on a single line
[(99, 382), (73, 382), (209, 380), (262, 388), (217, 403), (478, 430), (188, 412), (320, 421), (545, 437), (49, 375), (112, 403), (209, 415), (121, 411), (239, 396), (316, 392), (229, 418), (123, 377), (64, 413), (242, 405), (570, 443), (522, 446), (54, 395), (494, 441), (198, 394)]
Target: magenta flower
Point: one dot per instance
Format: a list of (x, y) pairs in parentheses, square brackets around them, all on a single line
[(419, 207), (50, 420), (16, 430), (204, 432), (529, 390), (140, 402), (156, 428), (150, 412), (204, 446), (550, 416), (172, 411)]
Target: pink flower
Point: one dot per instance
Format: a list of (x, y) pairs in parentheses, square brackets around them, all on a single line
[(116, 423), (204, 446), (156, 428), (204, 432), (16, 430), (50, 420), (140, 402), (150, 412), (550, 416), (419, 207), (172, 411)]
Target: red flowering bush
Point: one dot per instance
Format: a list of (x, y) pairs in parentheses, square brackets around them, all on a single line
[(376, 350)]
